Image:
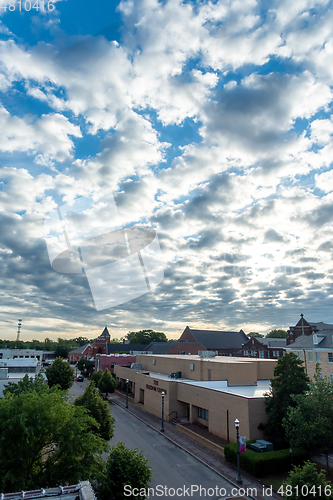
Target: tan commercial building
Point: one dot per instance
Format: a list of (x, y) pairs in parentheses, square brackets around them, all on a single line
[(211, 391)]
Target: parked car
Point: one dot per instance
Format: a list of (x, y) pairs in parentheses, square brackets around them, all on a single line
[(80, 378)]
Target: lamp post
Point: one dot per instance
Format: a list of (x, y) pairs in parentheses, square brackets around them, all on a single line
[(162, 428), (127, 392), (239, 479)]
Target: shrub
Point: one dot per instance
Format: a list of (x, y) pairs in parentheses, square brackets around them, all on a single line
[(264, 464)]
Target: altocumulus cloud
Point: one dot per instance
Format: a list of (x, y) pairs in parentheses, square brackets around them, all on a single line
[(210, 121)]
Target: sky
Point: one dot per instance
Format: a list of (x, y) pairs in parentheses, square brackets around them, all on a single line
[(206, 123)]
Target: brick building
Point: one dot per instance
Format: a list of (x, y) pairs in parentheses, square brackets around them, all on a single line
[(265, 348), (211, 391), (83, 352), (100, 344), (223, 343), (312, 343)]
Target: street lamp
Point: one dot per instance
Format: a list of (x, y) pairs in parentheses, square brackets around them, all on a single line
[(239, 479), (127, 392), (162, 428)]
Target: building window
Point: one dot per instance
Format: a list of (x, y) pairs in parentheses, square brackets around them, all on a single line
[(261, 354), (310, 357), (299, 354), (192, 367), (246, 352), (202, 413), (154, 361), (331, 377), (317, 357), (330, 357), (253, 353)]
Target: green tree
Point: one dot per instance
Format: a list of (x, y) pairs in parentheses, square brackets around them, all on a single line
[(305, 482), (96, 377), (309, 423), (124, 467), (107, 383), (81, 341), (277, 334), (60, 373), (26, 384), (99, 410), (289, 379), (44, 441), (85, 364), (255, 334), (145, 337)]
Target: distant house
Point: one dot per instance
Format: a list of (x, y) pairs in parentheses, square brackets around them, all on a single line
[(312, 343), (83, 352), (223, 343), (265, 348)]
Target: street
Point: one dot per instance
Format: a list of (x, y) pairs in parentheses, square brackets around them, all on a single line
[(172, 467), (175, 472)]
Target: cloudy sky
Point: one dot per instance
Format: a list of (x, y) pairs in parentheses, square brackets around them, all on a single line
[(209, 121)]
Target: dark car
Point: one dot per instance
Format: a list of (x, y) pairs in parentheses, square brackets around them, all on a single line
[(80, 378)]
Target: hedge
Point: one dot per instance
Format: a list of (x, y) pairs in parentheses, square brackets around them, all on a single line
[(264, 464)]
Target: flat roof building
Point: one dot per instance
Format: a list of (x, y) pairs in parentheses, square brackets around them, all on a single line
[(210, 391)]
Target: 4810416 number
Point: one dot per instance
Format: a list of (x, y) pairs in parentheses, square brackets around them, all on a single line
[(305, 490), (26, 5)]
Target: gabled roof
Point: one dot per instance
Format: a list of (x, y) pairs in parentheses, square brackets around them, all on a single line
[(322, 326), (272, 342), (158, 347), (307, 341), (105, 333), (212, 339), (80, 350)]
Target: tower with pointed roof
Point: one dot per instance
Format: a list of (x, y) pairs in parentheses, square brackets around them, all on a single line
[(100, 344)]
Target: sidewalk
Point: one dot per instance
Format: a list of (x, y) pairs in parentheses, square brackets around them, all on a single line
[(209, 458)]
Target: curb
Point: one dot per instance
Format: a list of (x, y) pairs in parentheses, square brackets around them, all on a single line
[(180, 446)]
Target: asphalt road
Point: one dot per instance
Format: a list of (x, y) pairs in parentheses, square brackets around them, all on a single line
[(176, 474), (173, 468)]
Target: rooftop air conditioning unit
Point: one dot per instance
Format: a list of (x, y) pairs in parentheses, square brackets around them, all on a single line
[(136, 366), (206, 354)]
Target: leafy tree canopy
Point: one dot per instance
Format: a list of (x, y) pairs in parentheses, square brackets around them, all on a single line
[(145, 337), (96, 377), (124, 466), (305, 482), (309, 423), (44, 441), (80, 341), (107, 383), (277, 334), (289, 379), (255, 334), (60, 373), (99, 410), (36, 384), (43, 345)]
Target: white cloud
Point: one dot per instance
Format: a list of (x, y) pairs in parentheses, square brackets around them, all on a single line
[(47, 136)]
